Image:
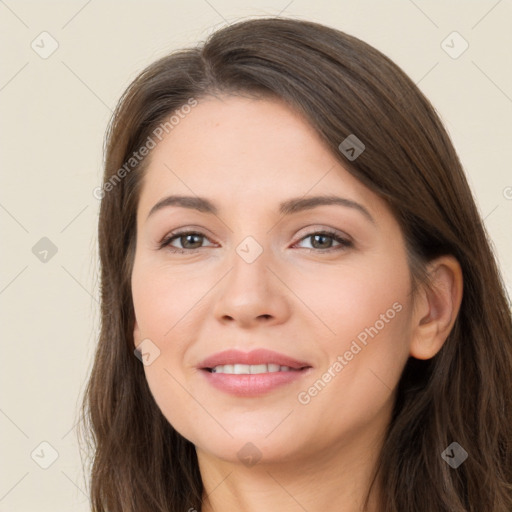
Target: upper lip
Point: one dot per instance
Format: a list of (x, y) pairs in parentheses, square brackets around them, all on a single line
[(258, 356)]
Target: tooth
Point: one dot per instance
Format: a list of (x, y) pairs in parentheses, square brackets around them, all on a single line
[(241, 369), (246, 369), (258, 368)]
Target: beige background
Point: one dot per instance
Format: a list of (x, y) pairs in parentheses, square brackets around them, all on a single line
[(54, 112)]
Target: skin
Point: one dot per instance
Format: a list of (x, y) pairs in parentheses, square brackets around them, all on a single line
[(247, 155)]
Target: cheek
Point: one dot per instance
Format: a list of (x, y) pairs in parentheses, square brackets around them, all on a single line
[(164, 299), (355, 389), (369, 310), (355, 296), (161, 301)]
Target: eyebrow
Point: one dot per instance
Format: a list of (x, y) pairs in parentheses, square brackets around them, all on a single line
[(287, 207)]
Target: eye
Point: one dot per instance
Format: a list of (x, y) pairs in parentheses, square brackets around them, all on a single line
[(323, 240), (191, 241), (186, 238)]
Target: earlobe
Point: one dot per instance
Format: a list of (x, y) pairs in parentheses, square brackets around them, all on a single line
[(437, 306)]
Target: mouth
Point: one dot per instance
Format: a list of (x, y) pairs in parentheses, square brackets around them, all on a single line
[(252, 374), (252, 369)]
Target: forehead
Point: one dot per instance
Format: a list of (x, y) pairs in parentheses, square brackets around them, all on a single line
[(247, 151)]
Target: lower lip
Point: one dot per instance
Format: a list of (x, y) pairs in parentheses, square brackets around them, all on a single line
[(253, 384)]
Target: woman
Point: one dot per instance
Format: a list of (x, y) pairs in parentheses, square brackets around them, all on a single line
[(367, 370)]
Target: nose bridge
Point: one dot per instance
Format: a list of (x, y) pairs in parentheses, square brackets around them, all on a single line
[(250, 290), (252, 246), (250, 275)]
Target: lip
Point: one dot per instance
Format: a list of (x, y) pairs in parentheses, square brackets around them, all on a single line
[(258, 356), (252, 385)]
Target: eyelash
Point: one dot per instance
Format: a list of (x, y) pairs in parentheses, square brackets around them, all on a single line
[(344, 243)]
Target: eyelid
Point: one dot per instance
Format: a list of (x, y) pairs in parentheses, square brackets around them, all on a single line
[(185, 231), (318, 228)]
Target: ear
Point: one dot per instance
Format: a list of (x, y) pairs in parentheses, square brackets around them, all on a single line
[(436, 308)]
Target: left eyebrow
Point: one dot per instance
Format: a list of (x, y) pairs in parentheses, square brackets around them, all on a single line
[(307, 203), (287, 207)]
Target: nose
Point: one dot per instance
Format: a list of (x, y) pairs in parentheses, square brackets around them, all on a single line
[(252, 294)]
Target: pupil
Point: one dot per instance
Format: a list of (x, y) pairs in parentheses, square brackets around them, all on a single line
[(187, 238), (321, 236)]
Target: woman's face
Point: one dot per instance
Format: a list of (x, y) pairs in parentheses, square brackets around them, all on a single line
[(259, 274)]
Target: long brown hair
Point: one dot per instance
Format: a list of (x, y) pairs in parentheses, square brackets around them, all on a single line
[(343, 87)]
